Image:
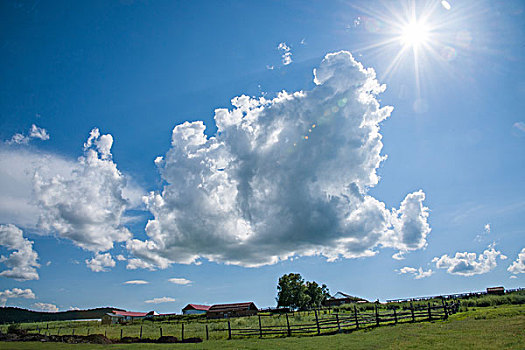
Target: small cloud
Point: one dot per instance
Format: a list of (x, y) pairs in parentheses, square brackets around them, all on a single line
[(38, 133), (518, 266), (34, 133), (303, 41), (120, 257), (159, 300), (513, 277), (136, 282), (73, 308), (181, 281), (287, 54), (487, 228), (399, 255), (45, 307), (48, 263), (100, 262), (446, 5), (269, 67), (357, 21), (518, 129), (417, 273)]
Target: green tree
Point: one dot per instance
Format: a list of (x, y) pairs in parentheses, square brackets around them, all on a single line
[(294, 292), (291, 291), (317, 293)]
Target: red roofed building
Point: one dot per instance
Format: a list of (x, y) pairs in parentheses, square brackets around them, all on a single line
[(195, 309), (232, 310)]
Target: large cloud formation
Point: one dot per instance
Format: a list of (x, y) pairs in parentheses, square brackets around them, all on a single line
[(22, 262), (282, 177), (87, 204)]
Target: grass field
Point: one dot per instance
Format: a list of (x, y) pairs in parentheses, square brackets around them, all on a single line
[(495, 327)]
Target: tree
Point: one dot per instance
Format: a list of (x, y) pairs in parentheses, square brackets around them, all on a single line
[(317, 293), (294, 292)]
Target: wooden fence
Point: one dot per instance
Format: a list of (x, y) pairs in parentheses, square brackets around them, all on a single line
[(337, 323), (312, 322)]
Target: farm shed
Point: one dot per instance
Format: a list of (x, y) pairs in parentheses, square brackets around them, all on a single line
[(341, 298), (195, 309), (232, 310), (496, 290), (125, 316)]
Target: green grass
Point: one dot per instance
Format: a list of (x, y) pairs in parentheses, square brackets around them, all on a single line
[(498, 327)]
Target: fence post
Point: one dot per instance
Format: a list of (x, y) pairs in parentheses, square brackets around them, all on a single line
[(338, 325), (317, 322), (395, 316), (38, 329), (429, 312), (160, 331), (207, 335), (140, 337), (47, 326), (121, 334), (58, 332), (105, 333), (356, 319), (88, 332), (229, 330), (444, 307), (377, 316), (412, 311), (288, 325), (182, 331), (73, 332), (260, 327)]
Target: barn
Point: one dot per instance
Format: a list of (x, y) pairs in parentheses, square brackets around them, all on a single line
[(195, 309), (125, 316), (496, 290), (232, 310), (341, 298)]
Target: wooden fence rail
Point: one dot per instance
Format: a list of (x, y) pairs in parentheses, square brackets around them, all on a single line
[(343, 323)]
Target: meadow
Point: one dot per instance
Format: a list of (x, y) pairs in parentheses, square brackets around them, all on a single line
[(491, 327)]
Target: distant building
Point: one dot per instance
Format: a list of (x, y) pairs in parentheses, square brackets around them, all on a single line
[(125, 316), (195, 309), (232, 310), (341, 298), (496, 290)]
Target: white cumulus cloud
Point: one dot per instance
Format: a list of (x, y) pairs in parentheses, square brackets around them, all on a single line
[(282, 177), (22, 262), (518, 266), (469, 264), (159, 300), (286, 53), (417, 273), (15, 293), (100, 262), (45, 307), (87, 205), (181, 281), (34, 133)]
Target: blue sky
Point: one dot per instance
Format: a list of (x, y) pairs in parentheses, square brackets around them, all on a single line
[(277, 182)]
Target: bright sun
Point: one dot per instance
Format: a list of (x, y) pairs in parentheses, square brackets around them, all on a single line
[(414, 34)]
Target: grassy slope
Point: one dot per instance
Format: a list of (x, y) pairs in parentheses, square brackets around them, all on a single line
[(481, 328)]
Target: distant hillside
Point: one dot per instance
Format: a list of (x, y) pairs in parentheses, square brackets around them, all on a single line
[(15, 314)]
